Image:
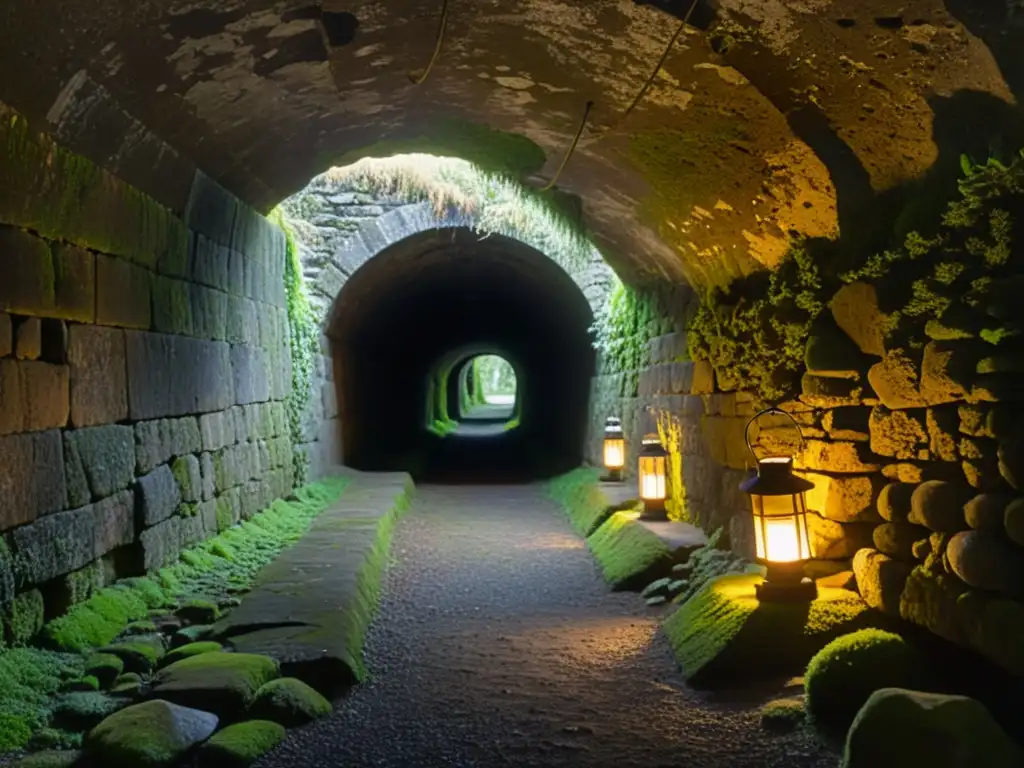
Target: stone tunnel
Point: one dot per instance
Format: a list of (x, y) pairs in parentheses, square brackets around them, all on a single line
[(246, 246)]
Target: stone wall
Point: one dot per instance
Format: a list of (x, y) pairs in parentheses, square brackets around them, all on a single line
[(144, 367)]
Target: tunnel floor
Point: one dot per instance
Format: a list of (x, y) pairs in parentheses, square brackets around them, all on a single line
[(498, 643)]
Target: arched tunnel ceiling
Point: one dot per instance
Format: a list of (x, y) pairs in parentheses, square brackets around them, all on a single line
[(778, 117)]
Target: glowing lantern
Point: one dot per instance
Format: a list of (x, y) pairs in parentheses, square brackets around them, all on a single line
[(614, 449), (652, 476), (780, 522)]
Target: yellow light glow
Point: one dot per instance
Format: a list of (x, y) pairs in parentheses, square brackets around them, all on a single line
[(780, 532), (614, 453), (652, 478)]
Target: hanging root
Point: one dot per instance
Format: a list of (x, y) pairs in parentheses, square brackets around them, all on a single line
[(572, 148), (420, 76)]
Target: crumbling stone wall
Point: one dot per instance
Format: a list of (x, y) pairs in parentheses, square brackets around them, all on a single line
[(144, 367)]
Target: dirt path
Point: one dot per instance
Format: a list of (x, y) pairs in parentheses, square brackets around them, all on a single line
[(498, 644)]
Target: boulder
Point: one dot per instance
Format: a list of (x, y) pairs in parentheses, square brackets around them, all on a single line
[(855, 310), (224, 683), (1013, 520), (987, 561), (899, 434), (895, 381), (241, 745), (895, 502), (154, 734), (198, 611), (190, 650), (938, 505), (897, 727), (897, 539), (986, 510), (137, 656), (289, 702), (105, 667), (880, 580)]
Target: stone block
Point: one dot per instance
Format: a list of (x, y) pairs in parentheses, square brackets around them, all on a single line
[(830, 392), (898, 434), (160, 545), (725, 442), (987, 561), (985, 511), (54, 545), (207, 513), (943, 432), (845, 498), (930, 599), (895, 502), (249, 371), (974, 420), (74, 271), (897, 539), (880, 580), (172, 306), (99, 376), (28, 284), (229, 509), (330, 397), (855, 310), (836, 458), (12, 415), (28, 339), (895, 380), (831, 540), (209, 313), (6, 335), (980, 463), (123, 293), (938, 505), (175, 375), (242, 325), (114, 525), (236, 273), (187, 472), (831, 353), (105, 455), (209, 475), (217, 430), (947, 370), (45, 395), (158, 496), (32, 482), (849, 423), (209, 260), (159, 441)]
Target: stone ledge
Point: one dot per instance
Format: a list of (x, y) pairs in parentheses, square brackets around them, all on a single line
[(310, 608)]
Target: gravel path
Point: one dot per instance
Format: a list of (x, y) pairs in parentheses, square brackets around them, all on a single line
[(498, 643)]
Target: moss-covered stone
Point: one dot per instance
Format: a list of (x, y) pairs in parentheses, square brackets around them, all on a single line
[(86, 683), (289, 702), (223, 683), (722, 631), (138, 657), (194, 634), (154, 734), (105, 667), (25, 619), (241, 745), (630, 555), (198, 611), (783, 715), (97, 621), (190, 650), (844, 673), (580, 495), (144, 627), (902, 727)]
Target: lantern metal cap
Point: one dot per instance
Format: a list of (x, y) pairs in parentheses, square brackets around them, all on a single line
[(652, 446), (775, 478), (613, 427)]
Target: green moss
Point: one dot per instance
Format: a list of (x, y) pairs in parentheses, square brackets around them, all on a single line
[(198, 611), (50, 759), (783, 715), (489, 149), (630, 555), (724, 633), (84, 683), (28, 680), (289, 702), (25, 618), (844, 673), (624, 327), (579, 494), (189, 650), (219, 682), (97, 621), (104, 667), (707, 563), (140, 657), (240, 745)]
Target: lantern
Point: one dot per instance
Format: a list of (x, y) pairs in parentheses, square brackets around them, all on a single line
[(614, 449), (653, 468), (780, 522)]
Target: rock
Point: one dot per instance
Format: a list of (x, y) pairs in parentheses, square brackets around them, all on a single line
[(1013, 520), (198, 612), (193, 634), (986, 561), (830, 540), (159, 495), (855, 310), (105, 667), (897, 727), (655, 588), (1011, 462), (241, 745), (929, 600), (225, 683), (899, 434), (943, 427), (974, 420), (155, 734), (897, 539), (880, 580), (190, 650), (895, 502), (938, 505), (655, 601), (844, 498), (985, 511), (289, 702), (82, 710), (106, 455), (895, 381), (993, 626), (677, 586), (831, 353), (138, 657), (946, 371)]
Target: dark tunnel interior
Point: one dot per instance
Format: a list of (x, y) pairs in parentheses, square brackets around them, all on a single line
[(423, 301)]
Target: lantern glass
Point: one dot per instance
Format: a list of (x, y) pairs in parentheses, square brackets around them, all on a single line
[(652, 478), (780, 528), (614, 452)]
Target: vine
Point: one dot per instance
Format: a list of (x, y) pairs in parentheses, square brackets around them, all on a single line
[(303, 342), (623, 329)]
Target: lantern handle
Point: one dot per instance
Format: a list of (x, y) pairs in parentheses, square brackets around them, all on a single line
[(772, 411)]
